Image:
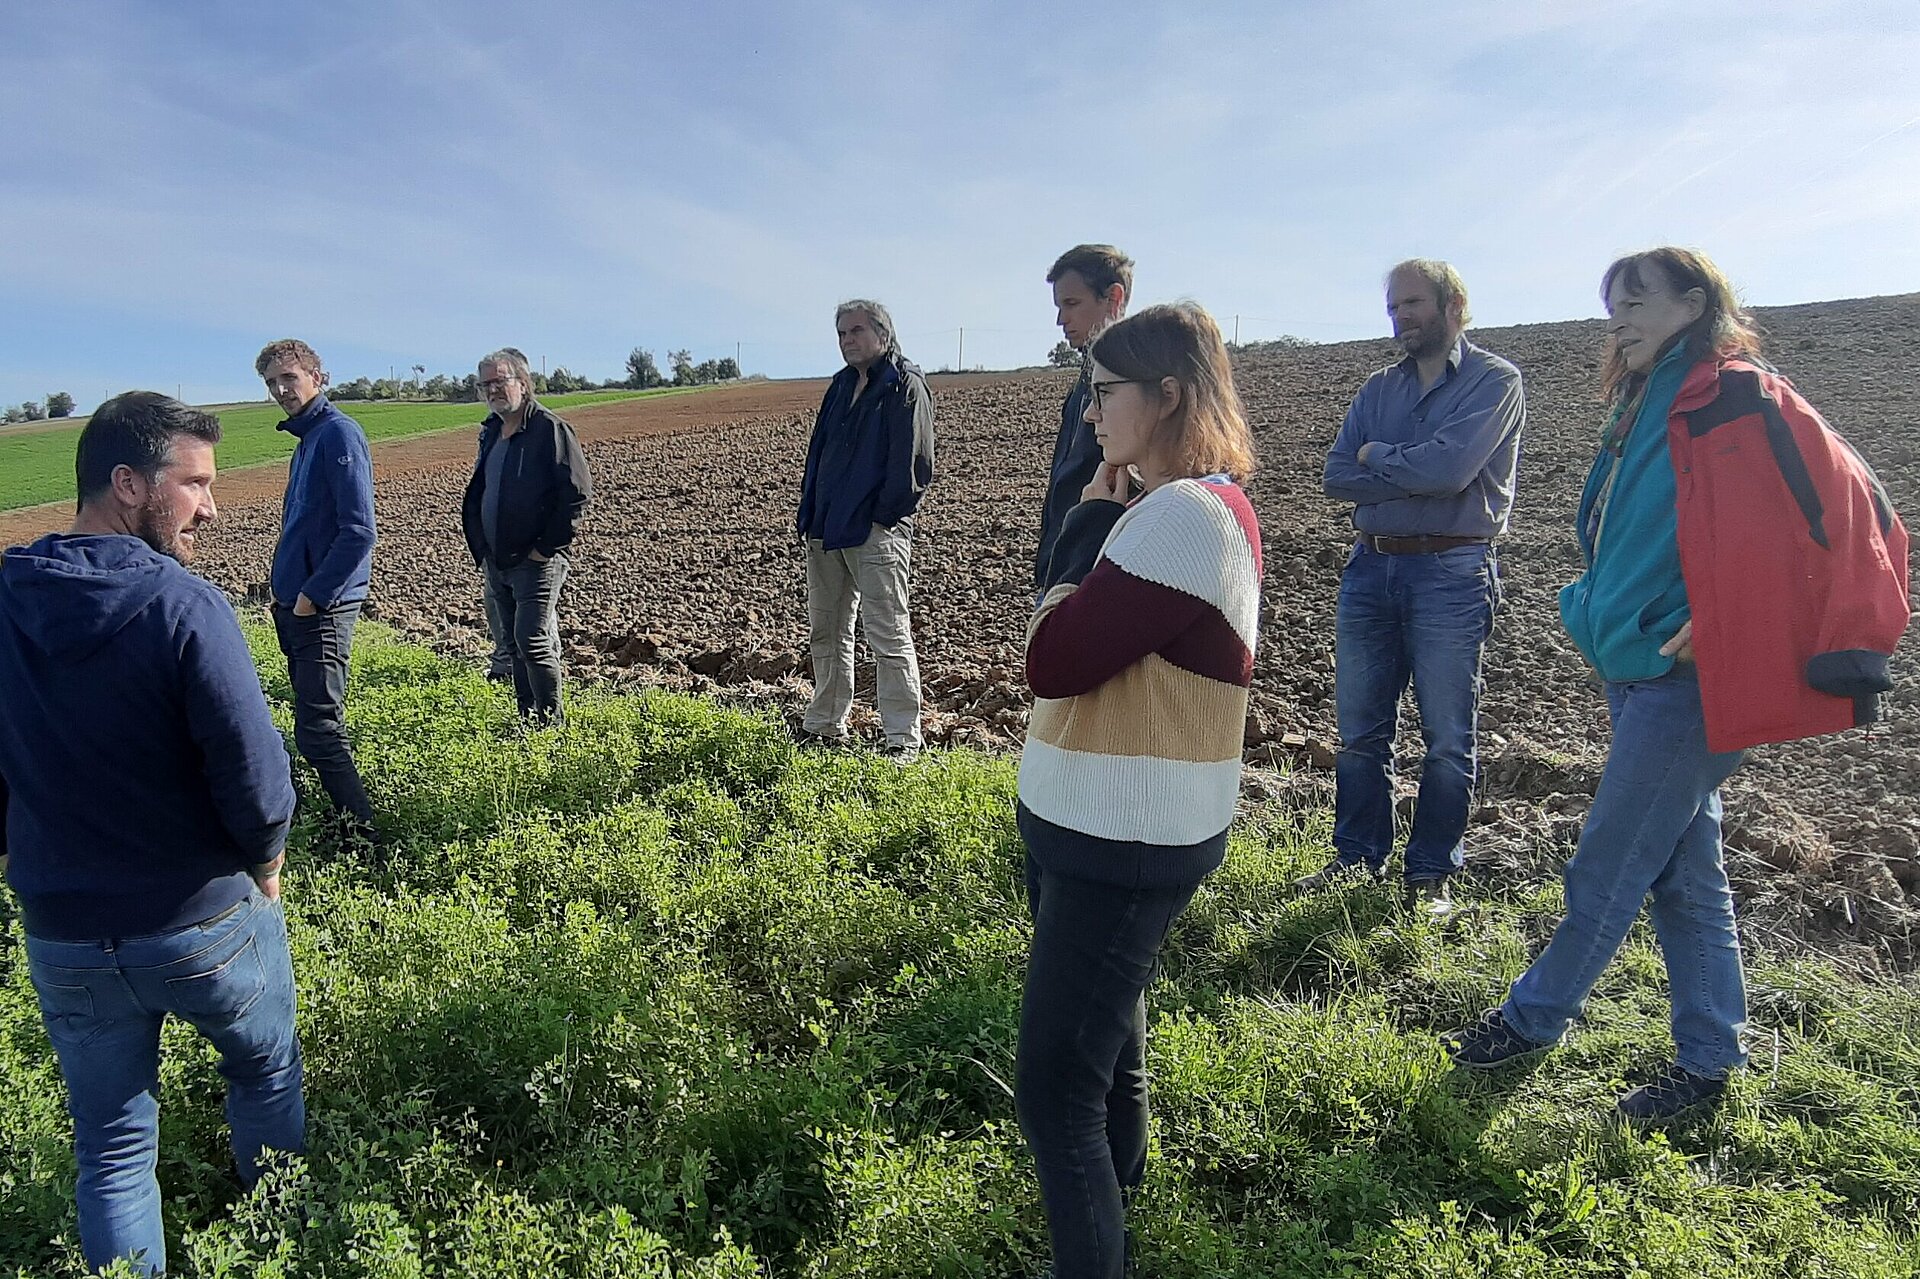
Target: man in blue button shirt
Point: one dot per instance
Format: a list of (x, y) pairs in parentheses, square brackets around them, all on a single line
[(1427, 456), (321, 568)]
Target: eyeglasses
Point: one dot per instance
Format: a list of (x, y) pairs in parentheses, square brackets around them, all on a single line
[(497, 383), (1100, 388)]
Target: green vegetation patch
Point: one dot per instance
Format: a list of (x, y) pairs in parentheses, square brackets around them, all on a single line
[(658, 995), (37, 466)]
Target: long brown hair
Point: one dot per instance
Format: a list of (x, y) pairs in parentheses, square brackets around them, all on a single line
[(1723, 329), (1208, 433)]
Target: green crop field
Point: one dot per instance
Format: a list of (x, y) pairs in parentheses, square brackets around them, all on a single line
[(658, 995), (37, 466)]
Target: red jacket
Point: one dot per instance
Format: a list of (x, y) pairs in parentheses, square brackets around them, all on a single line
[(1795, 562)]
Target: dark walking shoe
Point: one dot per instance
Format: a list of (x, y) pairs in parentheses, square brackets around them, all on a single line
[(1490, 1042), (900, 753), (1339, 872), (1670, 1094), (1429, 895)]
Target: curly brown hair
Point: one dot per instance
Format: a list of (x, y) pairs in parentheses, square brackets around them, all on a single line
[(289, 349)]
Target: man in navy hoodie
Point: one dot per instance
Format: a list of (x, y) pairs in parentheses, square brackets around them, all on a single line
[(144, 805), (321, 567)]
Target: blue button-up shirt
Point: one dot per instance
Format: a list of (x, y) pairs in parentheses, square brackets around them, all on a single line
[(1451, 449)]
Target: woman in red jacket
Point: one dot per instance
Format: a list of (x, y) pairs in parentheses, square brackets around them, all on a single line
[(1745, 581)]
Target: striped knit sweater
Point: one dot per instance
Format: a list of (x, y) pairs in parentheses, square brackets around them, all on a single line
[(1139, 659)]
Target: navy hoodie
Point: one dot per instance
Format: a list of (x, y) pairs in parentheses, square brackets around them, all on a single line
[(141, 774), (325, 550)]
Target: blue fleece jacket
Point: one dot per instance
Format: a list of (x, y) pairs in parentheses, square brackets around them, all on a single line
[(141, 774), (326, 521), (1632, 598)]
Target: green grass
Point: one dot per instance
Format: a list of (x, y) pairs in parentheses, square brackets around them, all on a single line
[(658, 995), (37, 466)]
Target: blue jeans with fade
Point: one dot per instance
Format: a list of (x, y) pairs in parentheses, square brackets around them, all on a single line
[(1652, 835), (1080, 1073), (1422, 619), (103, 1003)]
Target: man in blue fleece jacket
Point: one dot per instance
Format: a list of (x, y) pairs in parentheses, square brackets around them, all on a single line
[(144, 805), (321, 567)]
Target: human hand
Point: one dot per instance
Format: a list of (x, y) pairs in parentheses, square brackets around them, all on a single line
[(1109, 484), (269, 886), (1680, 647), (303, 607), (536, 557), (1368, 451)]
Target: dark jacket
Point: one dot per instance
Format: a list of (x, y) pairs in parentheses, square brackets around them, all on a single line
[(326, 520), (1076, 456), (141, 774), (545, 487), (870, 459)]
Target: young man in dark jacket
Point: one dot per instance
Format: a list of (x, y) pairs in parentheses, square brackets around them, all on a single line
[(1091, 285), (870, 459), (529, 486), (144, 803), (321, 567)]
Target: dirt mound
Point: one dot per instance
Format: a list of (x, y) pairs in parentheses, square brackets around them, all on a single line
[(687, 575)]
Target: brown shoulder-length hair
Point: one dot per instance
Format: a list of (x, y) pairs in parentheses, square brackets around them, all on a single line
[(1208, 433), (1723, 329)]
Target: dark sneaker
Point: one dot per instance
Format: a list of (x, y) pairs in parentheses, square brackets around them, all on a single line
[(1670, 1094), (1339, 872), (806, 739), (1490, 1042), (900, 753), (1429, 895)]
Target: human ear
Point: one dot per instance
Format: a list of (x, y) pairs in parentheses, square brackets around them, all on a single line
[(1169, 397), (128, 485)]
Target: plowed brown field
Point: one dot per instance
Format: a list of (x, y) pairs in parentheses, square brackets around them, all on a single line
[(686, 575)]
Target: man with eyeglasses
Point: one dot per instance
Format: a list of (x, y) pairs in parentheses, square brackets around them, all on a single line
[(1427, 456), (522, 504), (1091, 285)]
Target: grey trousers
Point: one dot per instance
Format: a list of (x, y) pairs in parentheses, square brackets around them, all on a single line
[(528, 599), (870, 580)]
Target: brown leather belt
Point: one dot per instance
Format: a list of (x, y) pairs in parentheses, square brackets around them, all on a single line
[(1424, 544)]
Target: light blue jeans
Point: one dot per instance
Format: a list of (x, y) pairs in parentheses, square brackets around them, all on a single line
[(1422, 619), (1652, 835), (103, 1003)]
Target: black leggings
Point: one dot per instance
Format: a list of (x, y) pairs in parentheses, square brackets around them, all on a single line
[(1080, 1080)]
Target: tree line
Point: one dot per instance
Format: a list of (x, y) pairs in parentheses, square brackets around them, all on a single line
[(58, 404), (642, 373)]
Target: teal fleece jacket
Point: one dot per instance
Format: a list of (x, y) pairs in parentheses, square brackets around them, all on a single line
[(1632, 598)]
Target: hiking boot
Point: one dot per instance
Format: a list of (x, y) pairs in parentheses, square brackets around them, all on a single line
[(1490, 1042), (900, 752), (1429, 895), (1673, 1092), (807, 739), (1338, 872)]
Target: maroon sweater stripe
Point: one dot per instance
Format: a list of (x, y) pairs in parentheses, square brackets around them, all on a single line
[(1115, 619)]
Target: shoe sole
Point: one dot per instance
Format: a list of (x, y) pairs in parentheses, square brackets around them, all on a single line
[(1504, 1061)]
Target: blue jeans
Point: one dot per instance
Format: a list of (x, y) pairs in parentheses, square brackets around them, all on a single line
[(1424, 619), (1653, 831), (1080, 1073), (103, 1003)]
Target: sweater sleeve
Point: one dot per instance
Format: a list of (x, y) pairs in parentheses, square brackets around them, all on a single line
[(241, 750), (348, 465), (1442, 464), (1085, 635)]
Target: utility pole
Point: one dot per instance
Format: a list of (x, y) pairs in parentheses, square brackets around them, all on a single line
[(960, 363), (736, 357), (1236, 330)]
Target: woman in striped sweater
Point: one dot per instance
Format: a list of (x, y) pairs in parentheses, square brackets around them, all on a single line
[(1139, 658)]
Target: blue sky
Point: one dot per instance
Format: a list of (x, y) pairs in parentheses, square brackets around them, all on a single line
[(404, 182)]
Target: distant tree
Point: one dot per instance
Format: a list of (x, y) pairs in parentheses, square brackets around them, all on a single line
[(386, 388), (59, 404), (468, 390), (419, 371), (729, 369), (13, 413), (32, 411), (1063, 356), (642, 372), (437, 386), (539, 383), (682, 364), (560, 382), (358, 389), (581, 382)]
